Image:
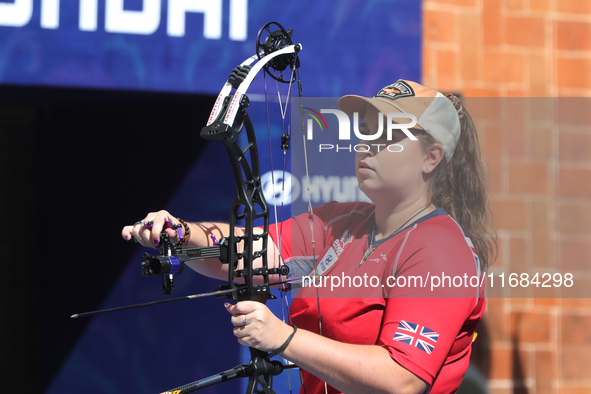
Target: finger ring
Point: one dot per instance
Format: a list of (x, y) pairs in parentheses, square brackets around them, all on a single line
[(244, 321), (136, 223)]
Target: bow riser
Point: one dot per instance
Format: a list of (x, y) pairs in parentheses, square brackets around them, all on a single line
[(249, 196)]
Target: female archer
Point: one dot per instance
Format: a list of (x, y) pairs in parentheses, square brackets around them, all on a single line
[(428, 223)]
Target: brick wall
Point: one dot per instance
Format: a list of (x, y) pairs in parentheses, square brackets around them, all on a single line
[(524, 48), (539, 155)]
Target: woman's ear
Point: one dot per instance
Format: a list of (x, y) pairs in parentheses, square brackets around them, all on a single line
[(433, 156)]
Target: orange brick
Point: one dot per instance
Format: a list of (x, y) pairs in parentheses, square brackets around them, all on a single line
[(580, 388), (482, 107), (510, 215), (531, 327), (497, 325), (573, 72), (514, 126), (574, 6), (526, 31), (579, 303), (572, 111), (501, 390), (575, 256), (542, 244), (492, 149), (518, 256), (573, 36), (492, 22), (515, 4), (538, 75), (528, 178), (439, 26), (575, 362), (574, 183), (574, 146), (541, 143), (545, 370), (470, 47), (469, 91), (446, 70), (515, 93), (461, 3), (540, 5), (428, 65), (501, 67), (506, 363), (518, 297), (575, 329), (540, 110), (502, 245), (574, 219), (549, 302), (572, 92)]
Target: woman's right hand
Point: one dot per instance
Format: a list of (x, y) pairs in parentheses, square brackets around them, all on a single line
[(147, 231)]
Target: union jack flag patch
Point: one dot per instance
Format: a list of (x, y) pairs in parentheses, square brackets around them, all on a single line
[(415, 335)]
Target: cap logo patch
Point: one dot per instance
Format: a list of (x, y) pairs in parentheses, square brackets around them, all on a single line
[(396, 90)]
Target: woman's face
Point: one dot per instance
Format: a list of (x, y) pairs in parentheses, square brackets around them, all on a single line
[(395, 173)]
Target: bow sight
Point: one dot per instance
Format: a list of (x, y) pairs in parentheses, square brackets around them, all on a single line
[(171, 260)]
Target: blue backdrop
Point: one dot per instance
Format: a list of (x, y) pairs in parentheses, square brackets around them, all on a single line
[(349, 46)]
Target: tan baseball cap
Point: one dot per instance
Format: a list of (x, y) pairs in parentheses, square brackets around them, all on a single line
[(434, 112)]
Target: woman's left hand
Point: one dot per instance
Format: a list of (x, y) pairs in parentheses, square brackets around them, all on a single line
[(256, 326)]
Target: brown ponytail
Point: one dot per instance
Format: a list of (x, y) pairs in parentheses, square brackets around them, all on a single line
[(460, 187)]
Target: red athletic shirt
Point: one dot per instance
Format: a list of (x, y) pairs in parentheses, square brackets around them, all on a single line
[(391, 299)]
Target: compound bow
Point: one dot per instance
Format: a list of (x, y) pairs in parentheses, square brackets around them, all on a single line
[(228, 118)]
